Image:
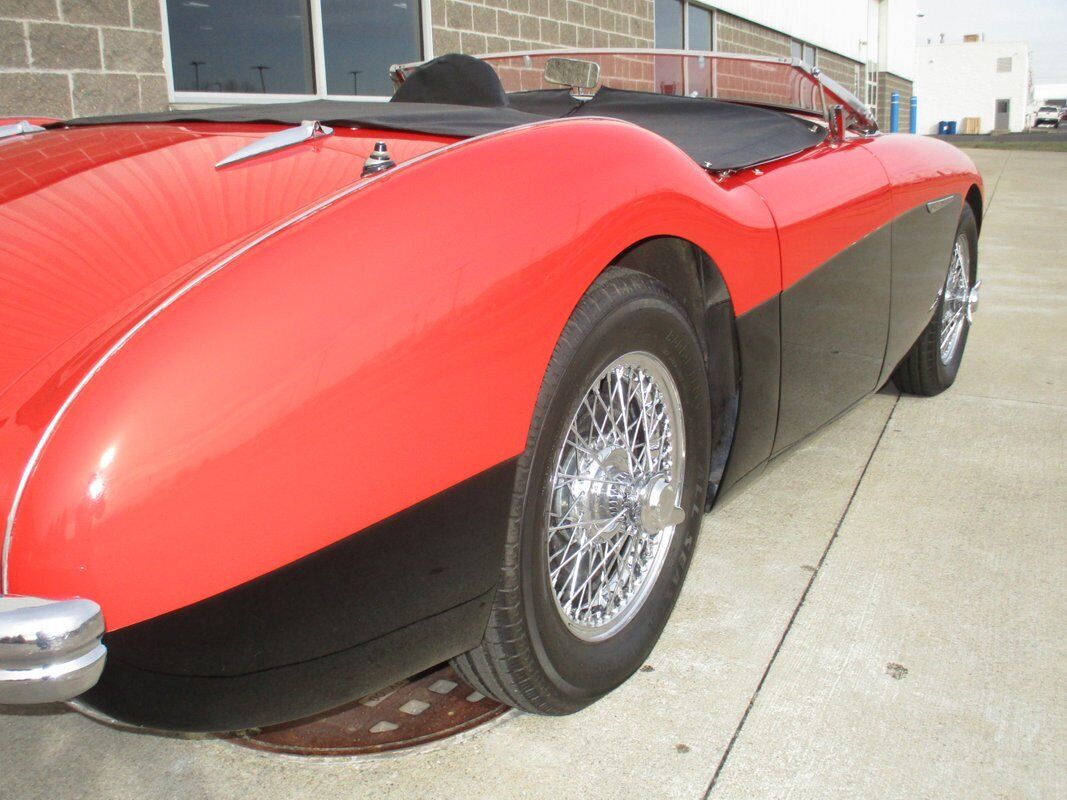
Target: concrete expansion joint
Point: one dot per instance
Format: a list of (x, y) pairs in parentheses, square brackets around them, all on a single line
[(800, 603)]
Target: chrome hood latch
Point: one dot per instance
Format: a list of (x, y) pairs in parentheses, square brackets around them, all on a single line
[(379, 160)]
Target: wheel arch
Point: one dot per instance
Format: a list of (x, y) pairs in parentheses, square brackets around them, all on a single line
[(693, 278), (973, 198)]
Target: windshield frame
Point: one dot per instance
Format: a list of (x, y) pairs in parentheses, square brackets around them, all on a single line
[(858, 114)]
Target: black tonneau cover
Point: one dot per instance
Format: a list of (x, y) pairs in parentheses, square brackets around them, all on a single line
[(432, 118), (716, 134)]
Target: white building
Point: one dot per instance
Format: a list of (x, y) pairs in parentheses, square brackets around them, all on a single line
[(1053, 94), (987, 80)]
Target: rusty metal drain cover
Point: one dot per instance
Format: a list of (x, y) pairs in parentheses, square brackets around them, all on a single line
[(416, 711)]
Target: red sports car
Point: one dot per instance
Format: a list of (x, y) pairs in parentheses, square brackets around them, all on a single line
[(299, 399)]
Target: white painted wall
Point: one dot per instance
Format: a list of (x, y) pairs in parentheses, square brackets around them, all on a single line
[(953, 81), (1044, 91), (838, 25), (898, 37), (835, 25)]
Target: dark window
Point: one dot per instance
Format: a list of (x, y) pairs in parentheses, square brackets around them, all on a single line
[(266, 46), (669, 24), (251, 46), (805, 52), (699, 28), (363, 39)]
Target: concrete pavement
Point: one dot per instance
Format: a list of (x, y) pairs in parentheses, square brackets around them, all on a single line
[(880, 615)]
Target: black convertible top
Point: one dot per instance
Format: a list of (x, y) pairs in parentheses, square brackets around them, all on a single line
[(716, 134)]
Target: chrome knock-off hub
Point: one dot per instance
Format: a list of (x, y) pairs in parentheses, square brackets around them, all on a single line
[(611, 492), (659, 504)]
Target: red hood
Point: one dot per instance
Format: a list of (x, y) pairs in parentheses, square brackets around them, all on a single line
[(98, 224)]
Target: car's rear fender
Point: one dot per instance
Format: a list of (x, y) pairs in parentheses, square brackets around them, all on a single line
[(374, 353)]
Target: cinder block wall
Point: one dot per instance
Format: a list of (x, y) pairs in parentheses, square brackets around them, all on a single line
[(492, 26), (845, 71), (66, 58), (736, 35), (887, 84)]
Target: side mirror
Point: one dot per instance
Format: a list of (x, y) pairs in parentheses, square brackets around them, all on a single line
[(572, 72)]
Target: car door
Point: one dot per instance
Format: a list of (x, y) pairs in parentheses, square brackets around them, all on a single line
[(833, 208)]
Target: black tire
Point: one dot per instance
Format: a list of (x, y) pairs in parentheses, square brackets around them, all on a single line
[(528, 657), (923, 372)]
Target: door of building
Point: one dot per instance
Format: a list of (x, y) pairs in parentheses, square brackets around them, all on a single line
[(1001, 121)]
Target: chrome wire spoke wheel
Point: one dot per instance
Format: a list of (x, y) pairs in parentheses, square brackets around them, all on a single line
[(607, 499), (614, 502), (958, 301)]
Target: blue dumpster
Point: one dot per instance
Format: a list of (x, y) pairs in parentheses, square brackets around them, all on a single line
[(952, 128), (946, 128)]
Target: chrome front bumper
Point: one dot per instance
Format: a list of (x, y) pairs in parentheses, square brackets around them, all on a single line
[(49, 649)]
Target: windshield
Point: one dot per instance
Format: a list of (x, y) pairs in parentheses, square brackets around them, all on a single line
[(1047, 108), (780, 82)]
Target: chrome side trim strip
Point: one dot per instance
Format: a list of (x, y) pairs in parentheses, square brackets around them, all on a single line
[(341, 194), (936, 205)]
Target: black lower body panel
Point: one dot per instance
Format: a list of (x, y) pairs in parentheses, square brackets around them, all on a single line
[(759, 347), (834, 323), (168, 701), (375, 607), (923, 239)]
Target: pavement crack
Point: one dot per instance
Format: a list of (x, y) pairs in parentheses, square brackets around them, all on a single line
[(1010, 400), (800, 603), (996, 183)]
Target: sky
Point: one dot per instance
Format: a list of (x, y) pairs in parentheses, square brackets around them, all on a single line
[(1042, 23)]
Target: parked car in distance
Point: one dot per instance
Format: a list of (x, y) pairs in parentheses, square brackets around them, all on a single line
[(298, 400), (1049, 115)]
